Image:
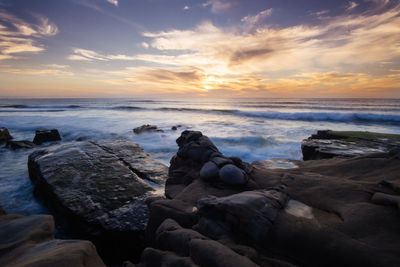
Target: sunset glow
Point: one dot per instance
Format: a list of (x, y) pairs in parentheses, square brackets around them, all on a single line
[(199, 48)]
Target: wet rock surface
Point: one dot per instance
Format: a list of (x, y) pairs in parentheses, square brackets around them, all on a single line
[(29, 241), (42, 136), (334, 212), (146, 128), (99, 188), (328, 144)]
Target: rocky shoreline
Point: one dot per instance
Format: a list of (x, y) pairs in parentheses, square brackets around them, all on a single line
[(339, 207)]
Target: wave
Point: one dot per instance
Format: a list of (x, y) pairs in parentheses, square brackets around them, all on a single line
[(40, 106), (32, 110), (325, 116), (127, 108)]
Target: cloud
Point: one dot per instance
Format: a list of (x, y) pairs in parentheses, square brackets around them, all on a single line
[(217, 6), (45, 71), (90, 55), (144, 45), (312, 59), (351, 5), (186, 8), (253, 20), (113, 2), (19, 36)]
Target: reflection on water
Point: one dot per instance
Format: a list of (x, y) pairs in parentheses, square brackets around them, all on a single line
[(299, 209)]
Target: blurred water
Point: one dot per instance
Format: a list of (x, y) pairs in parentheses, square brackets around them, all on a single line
[(253, 129)]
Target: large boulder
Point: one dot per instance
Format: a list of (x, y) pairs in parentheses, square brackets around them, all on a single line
[(29, 241), (328, 144), (99, 188), (199, 158), (42, 136), (4, 135)]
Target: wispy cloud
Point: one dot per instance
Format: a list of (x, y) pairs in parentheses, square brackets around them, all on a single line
[(259, 17), (113, 2), (186, 8), (217, 6), (351, 5), (19, 36)]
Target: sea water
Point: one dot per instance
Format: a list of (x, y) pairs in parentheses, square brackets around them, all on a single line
[(253, 129)]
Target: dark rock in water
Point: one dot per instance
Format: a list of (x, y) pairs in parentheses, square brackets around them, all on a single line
[(174, 128), (46, 136), (146, 128), (24, 144), (100, 188), (232, 175), (328, 144), (249, 213), (4, 135), (29, 241), (2, 212), (209, 171)]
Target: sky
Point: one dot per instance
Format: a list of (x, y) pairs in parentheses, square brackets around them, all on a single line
[(200, 48)]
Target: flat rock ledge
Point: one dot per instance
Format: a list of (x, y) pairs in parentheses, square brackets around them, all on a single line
[(334, 212), (97, 190), (327, 144), (29, 241)]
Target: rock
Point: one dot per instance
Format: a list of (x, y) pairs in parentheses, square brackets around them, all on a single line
[(99, 188), (174, 128), (4, 135), (386, 199), (146, 128), (42, 136), (214, 254), (24, 144), (209, 171), (328, 144), (29, 241), (232, 175), (160, 210), (155, 257), (249, 214), (221, 161), (2, 212)]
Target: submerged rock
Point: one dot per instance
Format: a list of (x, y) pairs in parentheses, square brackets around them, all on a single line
[(4, 135), (99, 187), (146, 128), (42, 136), (24, 144), (328, 144), (29, 241)]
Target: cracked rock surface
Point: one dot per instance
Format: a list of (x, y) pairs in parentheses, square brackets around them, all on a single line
[(99, 187)]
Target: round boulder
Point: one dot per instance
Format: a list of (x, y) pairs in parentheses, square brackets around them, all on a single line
[(230, 174), (209, 170)]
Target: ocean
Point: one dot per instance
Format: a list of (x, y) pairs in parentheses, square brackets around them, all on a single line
[(253, 129)]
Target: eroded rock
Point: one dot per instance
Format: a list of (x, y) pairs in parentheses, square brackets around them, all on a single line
[(328, 144), (29, 241)]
